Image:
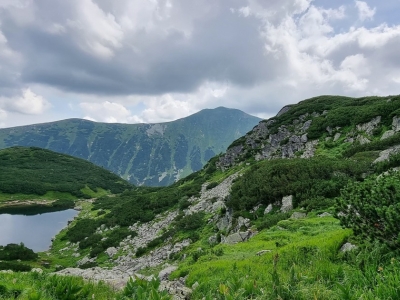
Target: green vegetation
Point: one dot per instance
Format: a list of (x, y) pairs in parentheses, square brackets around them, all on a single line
[(372, 209), (339, 195), (141, 289), (12, 254), (35, 171), (35, 286), (144, 154), (268, 181)]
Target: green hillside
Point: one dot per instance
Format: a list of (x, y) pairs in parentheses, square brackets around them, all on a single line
[(306, 205), (143, 154), (33, 172)]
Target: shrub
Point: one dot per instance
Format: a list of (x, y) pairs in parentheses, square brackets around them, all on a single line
[(372, 208), (211, 185), (191, 222), (17, 251), (14, 266), (184, 203)]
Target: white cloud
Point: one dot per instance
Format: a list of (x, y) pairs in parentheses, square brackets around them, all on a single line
[(3, 117), (28, 103), (106, 111), (364, 11), (98, 31)]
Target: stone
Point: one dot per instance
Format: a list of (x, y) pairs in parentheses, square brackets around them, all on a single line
[(237, 237), (287, 203), (76, 254), (369, 126), (298, 215), (213, 240), (243, 222), (37, 270), (195, 285), (304, 138), (387, 134), (396, 123), (306, 125), (325, 214), (261, 252), (268, 209), (337, 136), (225, 222), (218, 205), (329, 129), (385, 154), (164, 274), (111, 251), (363, 140), (348, 247)]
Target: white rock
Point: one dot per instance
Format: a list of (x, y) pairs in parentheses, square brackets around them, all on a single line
[(287, 203)]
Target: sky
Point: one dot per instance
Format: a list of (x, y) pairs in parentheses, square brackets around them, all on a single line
[(148, 61)]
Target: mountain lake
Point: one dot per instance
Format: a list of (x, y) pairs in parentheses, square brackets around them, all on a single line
[(33, 227)]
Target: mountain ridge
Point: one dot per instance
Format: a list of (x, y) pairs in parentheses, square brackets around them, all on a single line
[(144, 154)]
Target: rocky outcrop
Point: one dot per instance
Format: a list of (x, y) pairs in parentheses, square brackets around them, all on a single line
[(385, 154), (288, 141), (369, 127), (238, 237)]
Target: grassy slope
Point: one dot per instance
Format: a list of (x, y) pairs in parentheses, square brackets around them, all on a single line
[(34, 173)]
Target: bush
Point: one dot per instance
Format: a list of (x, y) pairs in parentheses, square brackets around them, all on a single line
[(17, 251), (63, 203), (372, 208), (14, 266), (184, 203), (191, 222), (211, 185), (269, 181), (271, 220)]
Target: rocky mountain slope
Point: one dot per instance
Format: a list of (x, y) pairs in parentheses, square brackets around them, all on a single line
[(143, 154), (304, 206)]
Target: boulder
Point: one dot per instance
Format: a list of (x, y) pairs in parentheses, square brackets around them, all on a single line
[(336, 137), (261, 252), (325, 214), (387, 134), (363, 140), (268, 209), (396, 124), (369, 126), (111, 251), (348, 247), (164, 274), (237, 237), (287, 203)]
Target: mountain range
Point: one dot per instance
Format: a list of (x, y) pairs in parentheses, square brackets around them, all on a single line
[(143, 154)]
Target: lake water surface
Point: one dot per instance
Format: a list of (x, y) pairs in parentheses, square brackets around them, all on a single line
[(34, 230)]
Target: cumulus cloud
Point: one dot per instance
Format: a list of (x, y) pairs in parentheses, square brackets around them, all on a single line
[(28, 103), (109, 112), (152, 61), (364, 11)]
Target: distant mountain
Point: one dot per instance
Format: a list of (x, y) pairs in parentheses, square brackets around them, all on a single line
[(36, 171), (143, 154)]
